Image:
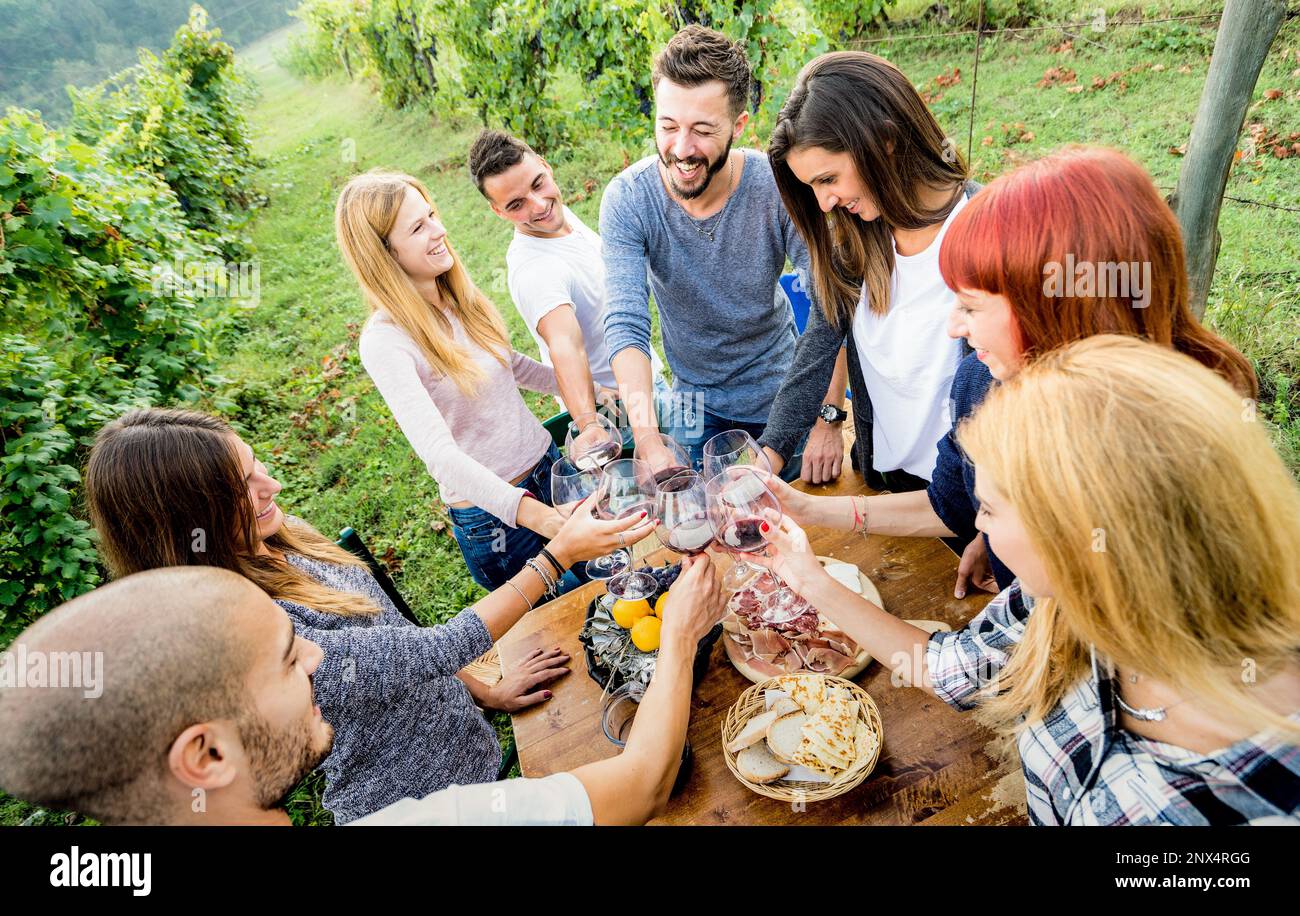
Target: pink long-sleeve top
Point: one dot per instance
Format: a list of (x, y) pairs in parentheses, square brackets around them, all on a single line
[(473, 447)]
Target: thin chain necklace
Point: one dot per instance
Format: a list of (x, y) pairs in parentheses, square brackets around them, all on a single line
[(1152, 714), (708, 233)]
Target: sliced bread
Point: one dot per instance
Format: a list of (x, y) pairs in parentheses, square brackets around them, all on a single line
[(758, 766), (784, 706), (755, 729), (784, 735)]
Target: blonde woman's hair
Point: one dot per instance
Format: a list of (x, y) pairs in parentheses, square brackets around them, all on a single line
[(165, 488), (363, 218), (1165, 522)]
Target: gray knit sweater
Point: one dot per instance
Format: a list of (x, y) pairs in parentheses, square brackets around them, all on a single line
[(404, 724)]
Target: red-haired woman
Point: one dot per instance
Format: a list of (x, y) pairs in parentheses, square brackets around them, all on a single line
[(1075, 244)]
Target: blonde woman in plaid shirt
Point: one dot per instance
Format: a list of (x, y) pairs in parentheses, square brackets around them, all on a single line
[(1154, 534)]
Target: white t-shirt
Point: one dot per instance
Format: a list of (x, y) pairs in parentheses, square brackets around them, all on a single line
[(908, 361), (544, 274), (558, 800)]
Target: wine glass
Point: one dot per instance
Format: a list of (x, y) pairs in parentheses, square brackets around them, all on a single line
[(626, 488), (659, 446), (734, 447), (570, 485), (782, 605), (682, 507), (592, 444), (742, 510)]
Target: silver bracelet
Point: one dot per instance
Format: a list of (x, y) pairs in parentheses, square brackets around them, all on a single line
[(520, 592), (547, 581)]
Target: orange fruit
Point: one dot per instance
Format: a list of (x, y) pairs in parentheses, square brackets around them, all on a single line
[(627, 613), (645, 634), (659, 605)]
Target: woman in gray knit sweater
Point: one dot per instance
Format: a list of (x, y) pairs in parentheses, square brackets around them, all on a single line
[(177, 488)]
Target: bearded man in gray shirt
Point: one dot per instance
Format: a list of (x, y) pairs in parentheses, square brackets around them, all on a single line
[(703, 227)]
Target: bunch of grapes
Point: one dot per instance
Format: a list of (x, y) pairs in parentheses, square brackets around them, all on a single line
[(664, 576)]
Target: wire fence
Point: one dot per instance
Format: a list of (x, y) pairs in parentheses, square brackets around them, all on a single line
[(1065, 28), (1060, 26), (979, 32)]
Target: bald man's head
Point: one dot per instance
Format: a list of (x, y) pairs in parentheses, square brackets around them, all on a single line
[(178, 647)]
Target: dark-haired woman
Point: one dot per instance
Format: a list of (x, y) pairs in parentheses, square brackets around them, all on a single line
[(872, 185), (1092, 212), (177, 488)]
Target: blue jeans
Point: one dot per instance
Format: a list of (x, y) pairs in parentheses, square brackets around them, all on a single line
[(493, 550), (691, 427)]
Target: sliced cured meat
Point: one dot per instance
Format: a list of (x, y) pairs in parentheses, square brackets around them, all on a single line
[(768, 644), (826, 661), (764, 584)]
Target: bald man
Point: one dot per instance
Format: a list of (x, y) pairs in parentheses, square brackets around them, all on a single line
[(203, 714)]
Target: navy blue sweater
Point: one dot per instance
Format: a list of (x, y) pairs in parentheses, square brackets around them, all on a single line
[(952, 488)]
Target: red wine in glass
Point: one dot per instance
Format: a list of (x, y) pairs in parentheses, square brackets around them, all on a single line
[(636, 508), (614, 507), (631, 585), (744, 535), (621, 494), (598, 456), (739, 503), (690, 536), (664, 479)]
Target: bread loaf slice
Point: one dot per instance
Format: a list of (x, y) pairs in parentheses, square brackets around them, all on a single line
[(784, 736), (758, 766), (755, 729)]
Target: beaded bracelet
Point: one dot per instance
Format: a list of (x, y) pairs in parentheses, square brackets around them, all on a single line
[(547, 579), (546, 584)]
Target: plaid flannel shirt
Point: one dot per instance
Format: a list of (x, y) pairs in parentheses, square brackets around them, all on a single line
[(1082, 767)]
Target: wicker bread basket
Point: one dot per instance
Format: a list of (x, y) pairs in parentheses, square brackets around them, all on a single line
[(752, 703)]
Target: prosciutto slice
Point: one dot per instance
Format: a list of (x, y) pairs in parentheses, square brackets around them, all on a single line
[(808, 642), (768, 644)]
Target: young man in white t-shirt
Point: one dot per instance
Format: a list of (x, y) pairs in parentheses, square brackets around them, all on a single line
[(554, 269)]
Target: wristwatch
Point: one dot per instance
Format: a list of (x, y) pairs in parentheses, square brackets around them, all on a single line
[(832, 414)]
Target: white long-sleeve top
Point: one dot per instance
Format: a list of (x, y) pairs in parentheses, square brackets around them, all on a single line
[(473, 447)]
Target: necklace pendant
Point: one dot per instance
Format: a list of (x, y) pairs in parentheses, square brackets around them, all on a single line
[(1156, 714)]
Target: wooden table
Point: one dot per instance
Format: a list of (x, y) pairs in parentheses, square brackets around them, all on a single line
[(937, 766)]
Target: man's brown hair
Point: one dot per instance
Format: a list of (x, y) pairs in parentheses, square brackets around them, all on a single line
[(697, 55), (493, 152)]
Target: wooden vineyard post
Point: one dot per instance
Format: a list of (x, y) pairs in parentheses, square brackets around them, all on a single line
[(1246, 31)]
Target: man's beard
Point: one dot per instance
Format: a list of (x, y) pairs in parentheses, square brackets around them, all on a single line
[(710, 170), (280, 760)]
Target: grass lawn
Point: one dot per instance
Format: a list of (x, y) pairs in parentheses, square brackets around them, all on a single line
[(298, 393)]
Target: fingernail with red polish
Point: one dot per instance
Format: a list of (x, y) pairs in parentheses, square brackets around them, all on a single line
[(547, 694), (766, 527)]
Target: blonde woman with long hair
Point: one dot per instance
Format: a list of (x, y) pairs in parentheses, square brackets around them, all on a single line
[(440, 355), (1153, 532)]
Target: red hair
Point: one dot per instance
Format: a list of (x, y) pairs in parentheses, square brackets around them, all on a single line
[(1083, 206)]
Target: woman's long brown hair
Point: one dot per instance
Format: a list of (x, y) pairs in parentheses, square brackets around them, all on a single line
[(857, 103), (165, 488)]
